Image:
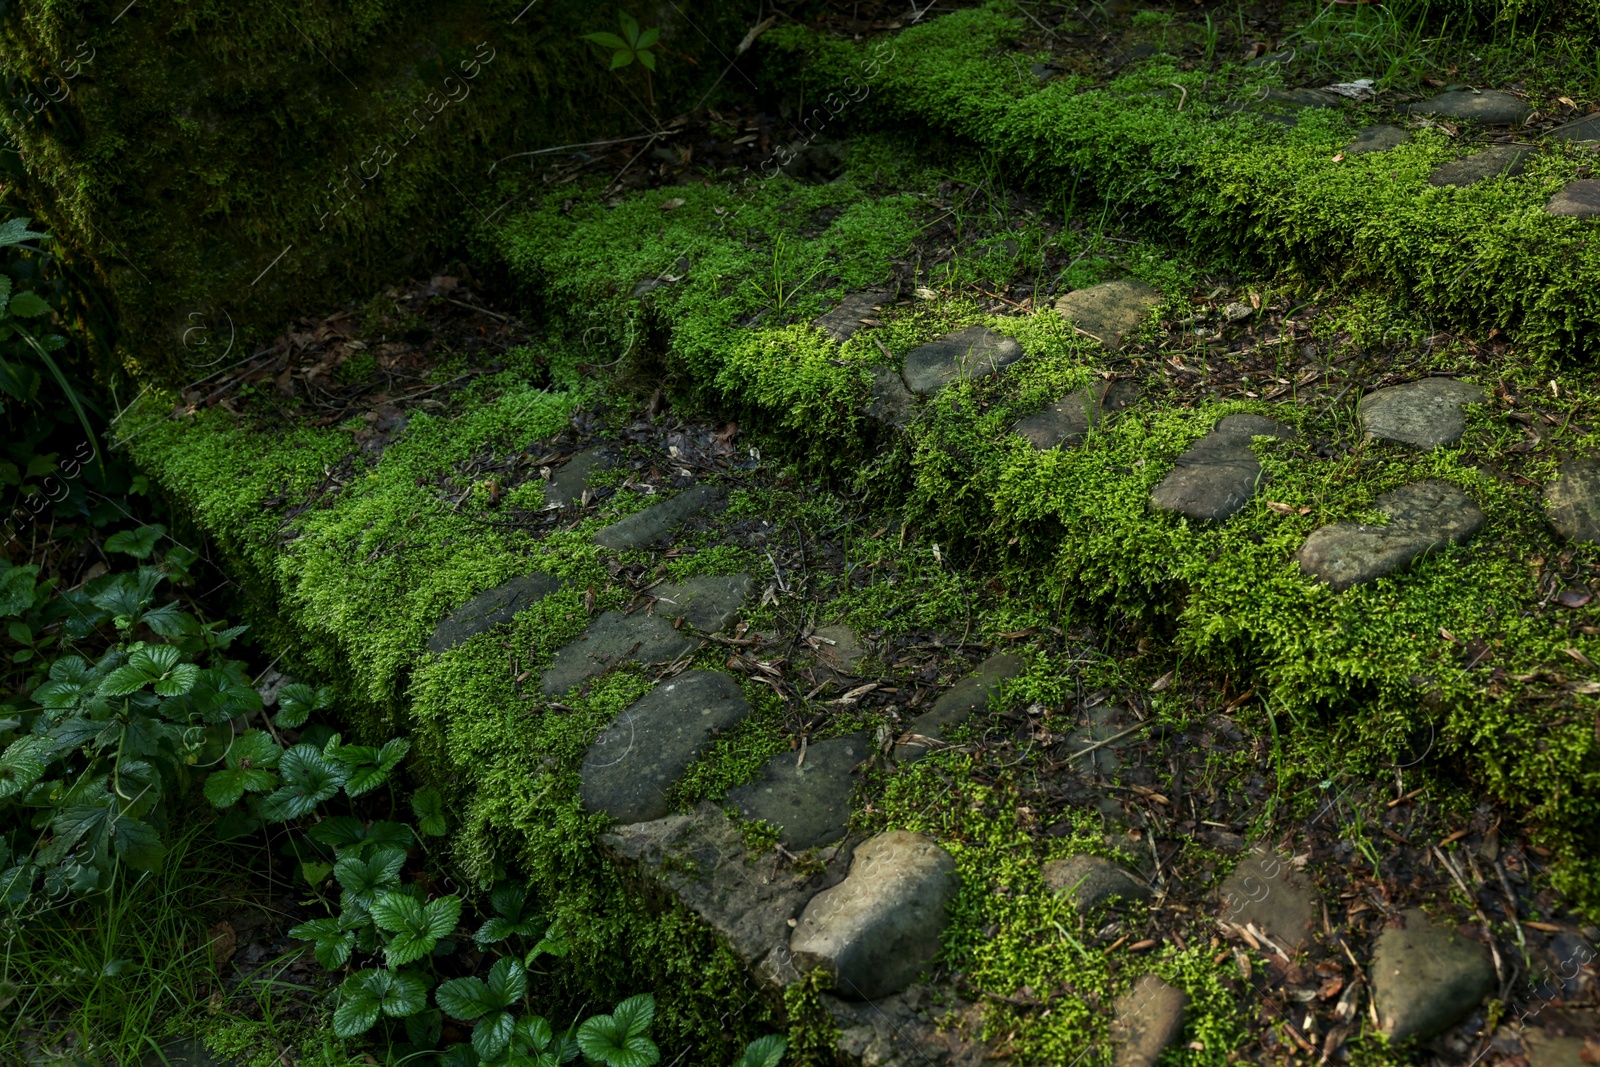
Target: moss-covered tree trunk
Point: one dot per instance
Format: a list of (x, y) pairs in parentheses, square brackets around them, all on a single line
[(218, 167)]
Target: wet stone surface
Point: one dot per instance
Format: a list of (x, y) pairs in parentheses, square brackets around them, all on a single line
[(491, 608), (1218, 474), (975, 352), (709, 602), (1426, 977), (1584, 129), (1580, 199), (837, 650), (1108, 312), (1573, 500), (1091, 881), (891, 402), (631, 765), (1148, 1018), (1489, 106), (910, 1029), (880, 927), (807, 799), (1422, 414), (1377, 139), (611, 639), (843, 320), (701, 861), (1423, 517), (567, 483), (1496, 161), (1067, 420), (1265, 891), (656, 521), (967, 697)]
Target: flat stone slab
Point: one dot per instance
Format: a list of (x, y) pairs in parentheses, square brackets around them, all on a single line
[(879, 928), (1423, 414), (709, 602), (1426, 977), (809, 801), (1265, 891), (611, 639), (1489, 106), (966, 698), (1584, 129), (1573, 500), (844, 319), (656, 521), (491, 608), (1092, 881), (838, 650), (1545, 1050), (700, 860), (630, 766), (1424, 516), (1148, 1018), (1218, 474), (975, 352), (1496, 161), (917, 1028), (1580, 199), (1377, 139), (890, 402), (1108, 312), (567, 483), (1067, 420)]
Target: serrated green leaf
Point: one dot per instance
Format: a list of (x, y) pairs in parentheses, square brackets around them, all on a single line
[(428, 806), (309, 778), (621, 59), (492, 1035), (23, 763), (355, 1015), (16, 589), (764, 1051), (123, 681), (364, 879), (464, 998), (227, 787), (648, 38), (28, 304), (177, 681), (397, 912), (364, 780), (338, 831), (635, 1014), (508, 982), (169, 622), (648, 59)]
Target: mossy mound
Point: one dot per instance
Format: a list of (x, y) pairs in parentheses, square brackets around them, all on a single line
[(1214, 162)]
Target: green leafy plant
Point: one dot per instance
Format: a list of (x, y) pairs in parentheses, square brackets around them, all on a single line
[(785, 281), (621, 1038), (634, 46), (763, 1052)]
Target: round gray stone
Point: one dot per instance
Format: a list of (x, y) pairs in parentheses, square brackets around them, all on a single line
[(1489, 106), (975, 352), (628, 769), (1496, 161), (1265, 891), (1580, 199), (1424, 517), (967, 697), (1108, 312), (809, 801), (1377, 139), (1218, 474), (491, 608), (1092, 880), (1426, 977), (878, 929), (1148, 1018), (1573, 500), (1423, 414)]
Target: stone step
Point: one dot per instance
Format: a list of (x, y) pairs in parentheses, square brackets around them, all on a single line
[(1423, 414), (1266, 894), (491, 608), (656, 521), (806, 794), (1219, 473), (1066, 422), (1145, 1021), (975, 352), (568, 482), (630, 767), (968, 697), (1091, 881), (1426, 977), (1423, 517), (611, 640), (1110, 311)]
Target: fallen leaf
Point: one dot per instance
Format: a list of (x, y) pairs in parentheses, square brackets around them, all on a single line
[(673, 204), (1339, 158), (1161, 682), (1579, 656), (223, 942), (1576, 597)]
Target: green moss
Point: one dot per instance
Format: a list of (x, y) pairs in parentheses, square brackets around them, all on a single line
[(1234, 185)]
